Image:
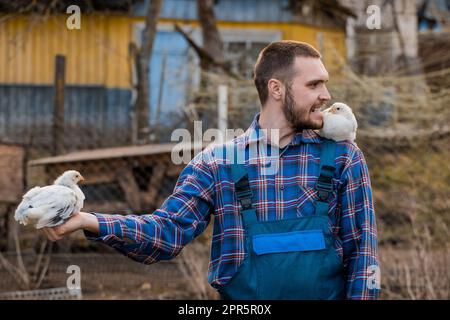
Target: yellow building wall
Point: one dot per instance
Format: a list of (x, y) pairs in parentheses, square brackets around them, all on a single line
[(97, 54)]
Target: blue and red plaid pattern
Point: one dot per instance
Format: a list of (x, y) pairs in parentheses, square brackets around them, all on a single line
[(205, 188)]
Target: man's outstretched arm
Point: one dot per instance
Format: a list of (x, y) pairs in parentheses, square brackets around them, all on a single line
[(184, 215)]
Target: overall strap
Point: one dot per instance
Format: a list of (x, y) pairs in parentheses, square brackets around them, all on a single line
[(324, 185), (243, 192)]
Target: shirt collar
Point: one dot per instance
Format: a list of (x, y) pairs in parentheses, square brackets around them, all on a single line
[(254, 134)]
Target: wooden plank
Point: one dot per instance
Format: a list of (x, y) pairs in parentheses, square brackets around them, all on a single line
[(130, 188), (109, 153), (100, 178), (93, 171)]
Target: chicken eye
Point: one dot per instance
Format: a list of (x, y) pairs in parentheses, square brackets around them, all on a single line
[(339, 108)]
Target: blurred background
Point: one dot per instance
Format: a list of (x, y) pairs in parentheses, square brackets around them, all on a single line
[(101, 88)]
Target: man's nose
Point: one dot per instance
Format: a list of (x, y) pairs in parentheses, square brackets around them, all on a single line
[(325, 95)]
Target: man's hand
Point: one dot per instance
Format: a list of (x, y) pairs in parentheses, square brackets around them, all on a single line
[(80, 220)]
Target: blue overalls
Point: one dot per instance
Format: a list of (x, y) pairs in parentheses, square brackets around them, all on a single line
[(290, 258)]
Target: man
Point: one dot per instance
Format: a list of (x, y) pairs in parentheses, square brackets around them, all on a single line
[(290, 234)]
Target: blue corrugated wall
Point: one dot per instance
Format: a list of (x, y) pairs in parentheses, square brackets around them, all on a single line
[(95, 116)]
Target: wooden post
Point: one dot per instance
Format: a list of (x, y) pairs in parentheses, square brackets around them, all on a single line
[(222, 120), (58, 106), (160, 96)]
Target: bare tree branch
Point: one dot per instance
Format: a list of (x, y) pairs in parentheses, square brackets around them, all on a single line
[(204, 56), (212, 42)]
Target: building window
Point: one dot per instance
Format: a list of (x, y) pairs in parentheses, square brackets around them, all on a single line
[(242, 46)]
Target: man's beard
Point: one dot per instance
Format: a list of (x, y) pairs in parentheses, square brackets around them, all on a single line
[(298, 119)]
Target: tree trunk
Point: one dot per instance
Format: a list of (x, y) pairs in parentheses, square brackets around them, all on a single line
[(143, 54), (212, 45), (212, 42)]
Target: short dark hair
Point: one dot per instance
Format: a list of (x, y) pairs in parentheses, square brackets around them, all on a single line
[(276, 61)]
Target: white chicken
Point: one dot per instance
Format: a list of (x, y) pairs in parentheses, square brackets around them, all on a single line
[(52, 205), (339, 123)]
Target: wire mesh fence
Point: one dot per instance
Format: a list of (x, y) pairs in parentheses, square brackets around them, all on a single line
[(110, 276)]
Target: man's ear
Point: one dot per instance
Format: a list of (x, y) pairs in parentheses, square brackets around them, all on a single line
[(276, 89)]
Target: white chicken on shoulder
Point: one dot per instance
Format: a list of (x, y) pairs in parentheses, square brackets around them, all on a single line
[(52, 205), (339, 123)]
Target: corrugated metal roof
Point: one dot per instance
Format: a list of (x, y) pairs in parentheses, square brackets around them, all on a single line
[(225, 10)]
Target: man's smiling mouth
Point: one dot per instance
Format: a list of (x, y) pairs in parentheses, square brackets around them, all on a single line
[(318, 108)]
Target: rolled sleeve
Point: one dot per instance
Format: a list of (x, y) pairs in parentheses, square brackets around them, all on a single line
[(109, 226)]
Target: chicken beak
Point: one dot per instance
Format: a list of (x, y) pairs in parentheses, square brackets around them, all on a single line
[(81, 178)]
